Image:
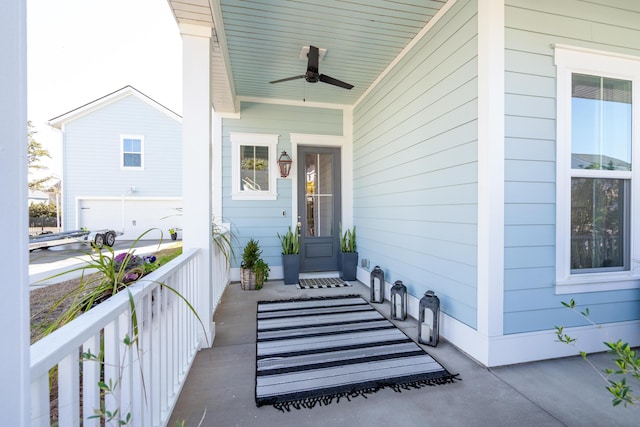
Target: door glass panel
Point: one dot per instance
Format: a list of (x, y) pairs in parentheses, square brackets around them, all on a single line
[(319, 195)]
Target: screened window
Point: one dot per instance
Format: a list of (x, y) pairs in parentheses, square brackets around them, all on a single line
[(132, 152), (600, 145), (596, 197), (253, 166)]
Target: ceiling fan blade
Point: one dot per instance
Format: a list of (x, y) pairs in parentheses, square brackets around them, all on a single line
[(288, 78), (314, 59), (326, 79)]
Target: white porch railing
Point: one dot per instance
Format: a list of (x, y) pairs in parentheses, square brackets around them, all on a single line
[(146, 375)]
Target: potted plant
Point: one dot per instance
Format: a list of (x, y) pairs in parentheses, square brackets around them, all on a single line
[(348, 254), (253, 270), (173, 233), (290, 256), (261, 270)]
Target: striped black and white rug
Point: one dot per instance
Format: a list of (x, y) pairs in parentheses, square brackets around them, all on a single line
[(316, 351), (323, 282)]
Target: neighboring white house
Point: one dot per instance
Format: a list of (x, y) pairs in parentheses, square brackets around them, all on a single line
[(37, 196), (122, 165)]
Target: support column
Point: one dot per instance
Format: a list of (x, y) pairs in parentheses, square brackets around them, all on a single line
[(14, 262), (216, 179), (196, 164), (491, 87), (347, 168)]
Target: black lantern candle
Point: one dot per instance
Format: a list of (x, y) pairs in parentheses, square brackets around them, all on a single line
[(377, 285), (428, 319), (398, 301)]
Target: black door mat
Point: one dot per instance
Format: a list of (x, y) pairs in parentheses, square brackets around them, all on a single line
[(324, 282)]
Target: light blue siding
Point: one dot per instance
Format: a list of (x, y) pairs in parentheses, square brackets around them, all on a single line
[(532, 28), (262, 219), (415, 167), (92, 154)]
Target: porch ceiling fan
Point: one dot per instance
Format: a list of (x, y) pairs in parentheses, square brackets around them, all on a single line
[(313, 74)]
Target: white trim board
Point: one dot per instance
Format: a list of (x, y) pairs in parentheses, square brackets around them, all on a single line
[(90, 107), (490, 258), (523, 347), (570, 60)]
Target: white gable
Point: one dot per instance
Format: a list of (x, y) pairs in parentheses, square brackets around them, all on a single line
[(94, 105)]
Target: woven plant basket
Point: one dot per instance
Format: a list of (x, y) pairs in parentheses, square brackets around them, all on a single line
[(247, 279)]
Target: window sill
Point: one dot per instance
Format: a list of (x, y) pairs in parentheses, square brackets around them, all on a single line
[(254, 196), (597, 282)]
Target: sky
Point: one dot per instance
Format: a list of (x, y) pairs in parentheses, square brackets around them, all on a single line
[(81, 50)]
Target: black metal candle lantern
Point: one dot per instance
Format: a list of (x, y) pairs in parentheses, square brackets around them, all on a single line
[(398, 301), (377, 285), (428, 319)]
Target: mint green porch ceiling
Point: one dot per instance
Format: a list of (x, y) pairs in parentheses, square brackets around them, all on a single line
[(257, 41)]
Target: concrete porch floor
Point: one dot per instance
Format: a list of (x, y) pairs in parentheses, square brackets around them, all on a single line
[(561, 392)]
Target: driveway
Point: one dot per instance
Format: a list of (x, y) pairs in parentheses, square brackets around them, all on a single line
[(45, 263)]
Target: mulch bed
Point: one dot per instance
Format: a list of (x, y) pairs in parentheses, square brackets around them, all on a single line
[(42, 301)]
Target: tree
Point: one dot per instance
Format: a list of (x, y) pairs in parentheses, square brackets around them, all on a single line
[(43, 210), (35, 154)]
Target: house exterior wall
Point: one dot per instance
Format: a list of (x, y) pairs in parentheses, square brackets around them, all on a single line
[(415, 167), (92, 157), (262, 219), (530, 300)]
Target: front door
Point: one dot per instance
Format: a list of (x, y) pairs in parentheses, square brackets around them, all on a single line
[(319, 206)]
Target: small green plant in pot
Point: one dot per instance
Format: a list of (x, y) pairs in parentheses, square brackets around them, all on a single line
[(253, 270), (290, 256), (173, 233), (348, 254)]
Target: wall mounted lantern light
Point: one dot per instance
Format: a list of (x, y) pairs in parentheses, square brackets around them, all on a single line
[(284, 163)]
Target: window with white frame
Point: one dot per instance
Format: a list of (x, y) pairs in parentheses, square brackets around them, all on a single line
[(132, 152), (596, 170), (253, 166)]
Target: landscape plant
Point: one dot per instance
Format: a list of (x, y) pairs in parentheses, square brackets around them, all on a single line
[(290, 243), (252, 263), (110, 274), (348, 240), (222, 237), (348, 259), (102, 276), (625, 358)]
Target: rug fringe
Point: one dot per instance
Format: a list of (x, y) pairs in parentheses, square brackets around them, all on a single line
[(311, 402)]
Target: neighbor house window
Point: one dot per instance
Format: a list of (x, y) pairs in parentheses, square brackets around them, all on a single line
[(254, 166), (595, 163), (132, 152)]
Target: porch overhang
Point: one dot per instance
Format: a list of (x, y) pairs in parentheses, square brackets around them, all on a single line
[(201, 15)]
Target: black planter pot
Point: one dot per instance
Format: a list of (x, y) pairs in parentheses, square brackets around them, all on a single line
[(348, 266), (291, 267), (174, 236)]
